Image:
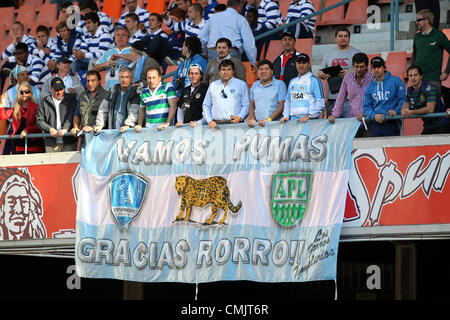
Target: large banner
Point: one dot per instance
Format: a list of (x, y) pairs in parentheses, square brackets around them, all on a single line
[(195, 205)]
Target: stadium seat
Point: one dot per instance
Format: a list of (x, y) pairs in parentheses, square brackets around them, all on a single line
[(112, 8), (27, 15), (158, 6), (334, 16), (169, 70), (35, 3), (301, 45), (284, 5), (445, 83), (222, 2), (251, 76), (396, 63), (8, 14), (356, 12), (48, 14), (371, 55)]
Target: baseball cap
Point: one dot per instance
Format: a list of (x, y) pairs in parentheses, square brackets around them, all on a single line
[(195, 65), (139, 45), (377, 62), (302, 57), (63, 60), (57, 83), (287, 34)]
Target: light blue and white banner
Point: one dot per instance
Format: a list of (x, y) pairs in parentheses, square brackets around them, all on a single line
[(196, 205)]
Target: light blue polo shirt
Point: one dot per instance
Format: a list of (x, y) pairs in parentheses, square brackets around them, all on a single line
[(111, 81), (267, 97)]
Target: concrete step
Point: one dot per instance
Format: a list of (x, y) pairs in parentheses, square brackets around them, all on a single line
[(384, 27)]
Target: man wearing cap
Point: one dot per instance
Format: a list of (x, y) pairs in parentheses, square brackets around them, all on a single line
[(383, 97), (267, 96), (115, 57), (72, 83), (284, 67), (304, 99), (158, 102), (227, 99), (55, 116), (190, 107), (142, 63), (223, 48)]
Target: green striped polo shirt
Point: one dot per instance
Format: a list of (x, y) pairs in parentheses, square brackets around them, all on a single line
[(156, 103)]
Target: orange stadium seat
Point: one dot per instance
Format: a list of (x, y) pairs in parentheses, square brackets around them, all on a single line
[(334, 16), (48, 14), (396, 63), (35, 3), (251, 76), (371, 55), (445, 83), (356, 12), (169, 70), (8, 14), (284, 5), (27, 15), (158, 6), (112, 8)]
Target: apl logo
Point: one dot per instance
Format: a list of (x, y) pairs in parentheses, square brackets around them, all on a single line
[(127, 192), (290, 197)]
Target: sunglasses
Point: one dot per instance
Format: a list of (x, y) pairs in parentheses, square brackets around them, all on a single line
[(223, 93), (25, 91), (420, 19)]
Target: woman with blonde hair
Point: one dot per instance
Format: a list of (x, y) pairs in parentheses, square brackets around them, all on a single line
[(23, 116)]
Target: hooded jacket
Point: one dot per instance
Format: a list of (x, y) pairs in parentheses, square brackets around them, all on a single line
[(380, 97)]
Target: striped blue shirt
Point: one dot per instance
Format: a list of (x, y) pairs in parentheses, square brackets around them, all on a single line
[(269, 14), (302, 9), (137, 36), (10, 51), (187, 26), (37, 70), (41, 54), (304, 96), (94, 46), (105, 21), (143, 15)]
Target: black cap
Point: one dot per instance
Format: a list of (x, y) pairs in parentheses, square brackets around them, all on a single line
[(139, 45), (302, 57), (377, 62), (57, 83), (287, 34), (63, 60)]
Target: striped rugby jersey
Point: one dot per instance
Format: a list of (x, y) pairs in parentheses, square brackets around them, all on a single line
[(187, 26), (302, 9), (156, 103), (269, 14), (143, 15), (94, 46)]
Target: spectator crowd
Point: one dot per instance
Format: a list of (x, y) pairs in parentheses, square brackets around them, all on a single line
[(55, 84)]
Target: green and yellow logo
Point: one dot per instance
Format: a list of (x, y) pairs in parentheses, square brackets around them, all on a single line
[(290, 197)]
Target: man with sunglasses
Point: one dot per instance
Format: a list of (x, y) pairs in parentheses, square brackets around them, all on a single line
[(428, 49), (55, 116), (227, 99)]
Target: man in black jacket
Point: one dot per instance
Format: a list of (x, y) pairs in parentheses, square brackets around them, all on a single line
[(284, 66), (191, 104), (55, 116)]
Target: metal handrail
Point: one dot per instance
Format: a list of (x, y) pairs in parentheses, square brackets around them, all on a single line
[(387, 118)]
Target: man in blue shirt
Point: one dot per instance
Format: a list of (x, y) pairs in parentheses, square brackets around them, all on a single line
[(227, 99), (267, 96), (231, 25)]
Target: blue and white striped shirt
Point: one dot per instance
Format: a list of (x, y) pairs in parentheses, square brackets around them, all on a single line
[(143, 15), (137, 36), (187, 26), (209, 9), (302, 9), (94, 46), (269, 14), (58, 52), (37, 70), (105, 21), (10, 51), (41, 54)]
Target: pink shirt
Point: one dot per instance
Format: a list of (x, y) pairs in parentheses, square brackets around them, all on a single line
[(355, 93)]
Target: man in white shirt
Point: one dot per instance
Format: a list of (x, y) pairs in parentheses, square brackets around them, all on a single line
[(227, 99)]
